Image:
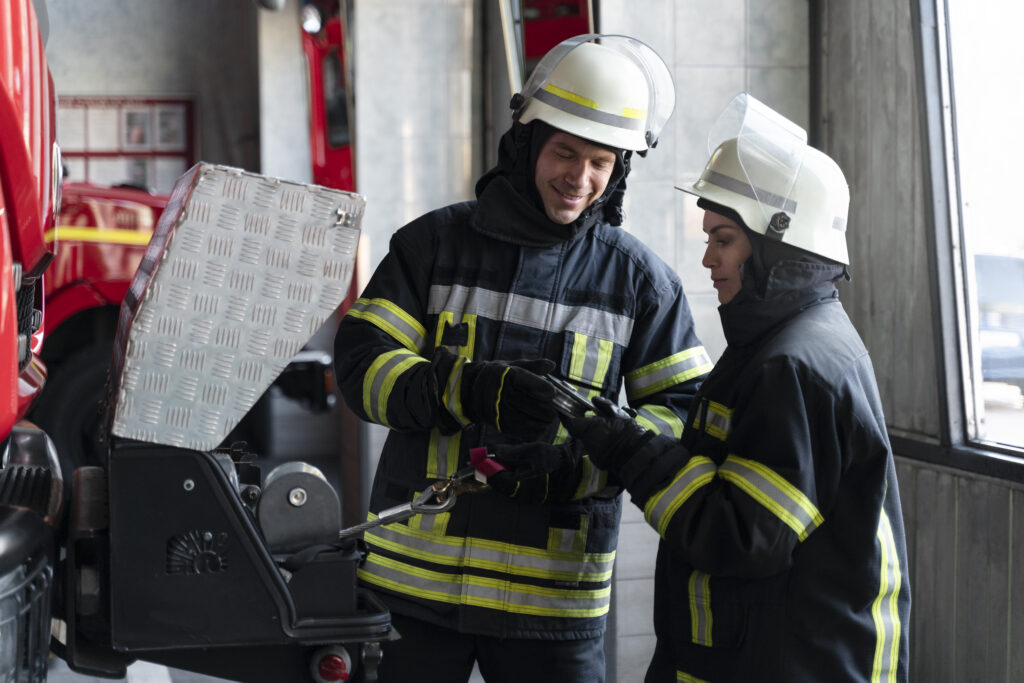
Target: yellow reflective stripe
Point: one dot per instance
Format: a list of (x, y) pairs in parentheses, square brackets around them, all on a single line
[(885, 608), (480, 553), (683, 677), (401, 326), (571, 96), (442, 454), (700, 608), (578, 357), (667, 372), (604, 360), (660, 420), (380, 379), (95, 234), (497, 399), (767, 487), (480, 591), (634, 113), (662, 506)]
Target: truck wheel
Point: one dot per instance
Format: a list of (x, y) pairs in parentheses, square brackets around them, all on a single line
[(69, 407)]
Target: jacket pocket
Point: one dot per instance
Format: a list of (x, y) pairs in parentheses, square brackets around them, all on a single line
[(591, 362)]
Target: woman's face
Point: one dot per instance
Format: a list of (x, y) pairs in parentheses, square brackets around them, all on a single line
[(728, 249)]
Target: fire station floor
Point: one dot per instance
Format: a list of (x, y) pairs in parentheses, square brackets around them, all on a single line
[(147, 672)]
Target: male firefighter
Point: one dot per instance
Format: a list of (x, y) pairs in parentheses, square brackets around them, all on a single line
[(782, 553), (447, 347)]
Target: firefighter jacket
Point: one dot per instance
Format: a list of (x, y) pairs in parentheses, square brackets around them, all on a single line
[(782, 553), (473, 278)]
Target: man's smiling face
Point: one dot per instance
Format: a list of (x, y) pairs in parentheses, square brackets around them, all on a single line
[(571, 173)]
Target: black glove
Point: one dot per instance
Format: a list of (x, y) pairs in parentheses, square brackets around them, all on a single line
[(512, 396), (534, 472), (609, 437)]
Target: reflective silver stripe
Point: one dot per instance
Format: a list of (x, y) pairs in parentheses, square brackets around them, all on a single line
[(885, 608), (380, 379), (760, 195), (660, 420), (480, 553), (404, 328), (479, 591), (530, 312), (700, 608), (667, 372), (569, 107), (771, 490), (698, 471)]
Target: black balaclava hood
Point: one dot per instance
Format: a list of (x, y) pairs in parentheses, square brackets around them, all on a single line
[(519, 214), (778, 281)]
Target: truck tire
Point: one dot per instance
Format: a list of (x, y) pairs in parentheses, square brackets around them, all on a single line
[(69, 407)]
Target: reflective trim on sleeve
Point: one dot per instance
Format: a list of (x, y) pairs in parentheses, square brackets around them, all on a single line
[(718, 420), (700, 608), (401, 326), (771, 490), (530, 312), (668, 372), (658, 511), (478, 553), (660, 420), (480, 591), (380, 379), (885, 608), (683, 677)]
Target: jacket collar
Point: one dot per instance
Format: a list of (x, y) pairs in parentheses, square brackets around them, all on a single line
[(791, 286)]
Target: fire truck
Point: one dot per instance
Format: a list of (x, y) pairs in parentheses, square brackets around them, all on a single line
[(31, 486)]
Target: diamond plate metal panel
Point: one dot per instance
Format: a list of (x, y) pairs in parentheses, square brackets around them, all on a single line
[(241, 271)]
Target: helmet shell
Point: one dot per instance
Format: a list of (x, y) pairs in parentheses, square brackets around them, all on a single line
[(611, 92), (805, 207)]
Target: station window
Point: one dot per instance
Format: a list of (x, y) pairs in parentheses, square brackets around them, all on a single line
[(986, 64), (143, 142)]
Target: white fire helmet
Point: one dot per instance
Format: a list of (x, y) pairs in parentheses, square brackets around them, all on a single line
[(609, 89), (762, 168)]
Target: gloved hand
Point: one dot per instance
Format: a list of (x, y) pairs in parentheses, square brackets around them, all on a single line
[(512, 396), (610, 436), (534, 472)]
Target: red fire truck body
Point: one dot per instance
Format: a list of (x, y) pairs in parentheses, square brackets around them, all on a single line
[(29, 159), (102, 234)]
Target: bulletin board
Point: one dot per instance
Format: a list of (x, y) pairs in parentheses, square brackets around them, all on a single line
[(140, 141)]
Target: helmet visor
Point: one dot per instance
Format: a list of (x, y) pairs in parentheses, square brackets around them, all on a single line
[(661, 94), (770, 148)]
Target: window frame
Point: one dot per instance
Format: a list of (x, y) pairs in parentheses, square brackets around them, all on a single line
[(952, 311)]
